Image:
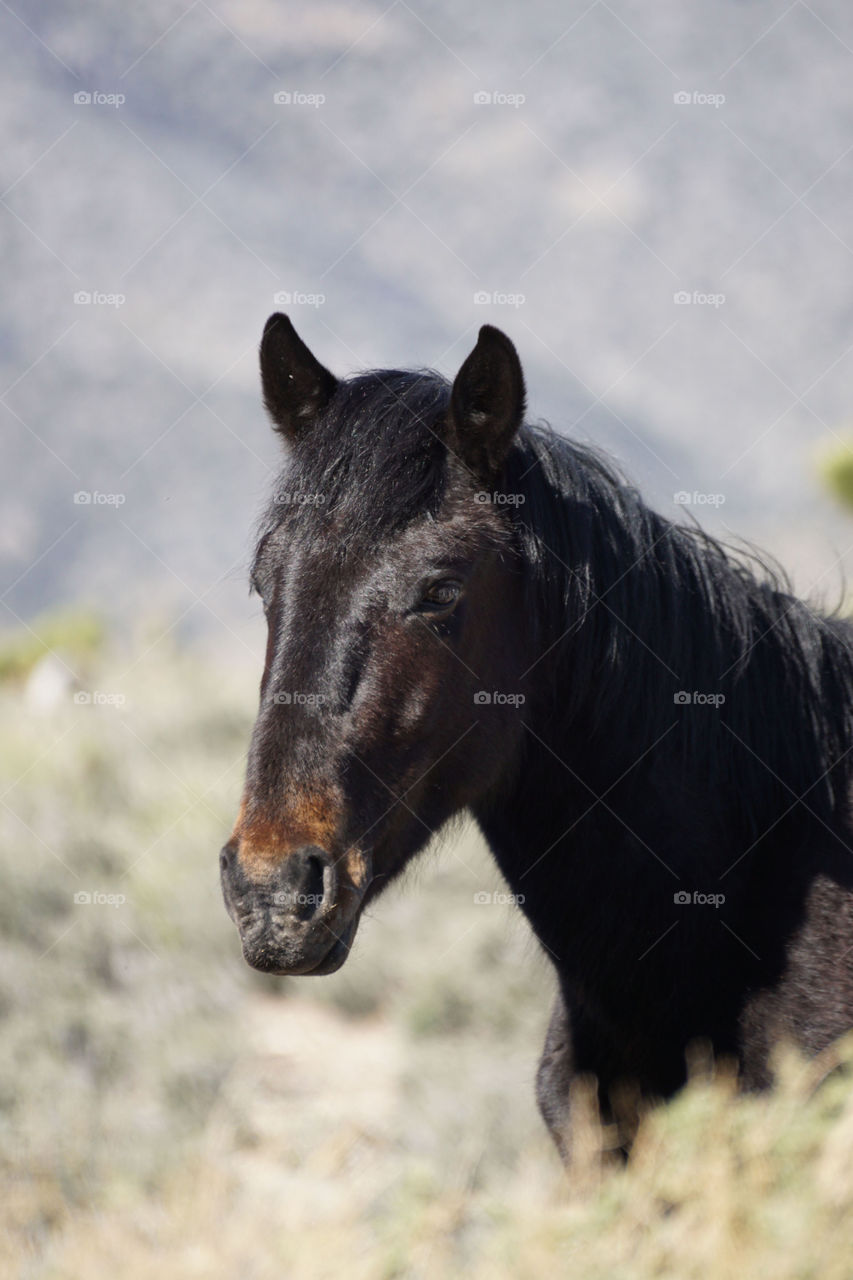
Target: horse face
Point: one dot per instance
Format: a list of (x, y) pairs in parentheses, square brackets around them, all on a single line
[(392, 599)]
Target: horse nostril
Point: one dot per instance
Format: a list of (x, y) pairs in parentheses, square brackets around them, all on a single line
[(311, 898), (307, 882), (315, 875), (224, 859)]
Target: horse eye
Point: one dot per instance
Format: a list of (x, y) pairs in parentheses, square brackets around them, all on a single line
[(439, 595), (255, 587)]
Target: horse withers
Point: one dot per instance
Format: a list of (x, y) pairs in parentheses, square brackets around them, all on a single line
[(469, 613)]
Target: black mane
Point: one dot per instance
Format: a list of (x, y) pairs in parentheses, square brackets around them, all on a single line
[(637, 608)]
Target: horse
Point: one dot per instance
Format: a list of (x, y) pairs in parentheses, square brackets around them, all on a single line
[(468, 612)]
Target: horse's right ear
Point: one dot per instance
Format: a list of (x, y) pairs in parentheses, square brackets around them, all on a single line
[(296, 386)]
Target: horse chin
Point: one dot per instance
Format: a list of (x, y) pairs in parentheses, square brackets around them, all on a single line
[(335, 957), (282, 961)]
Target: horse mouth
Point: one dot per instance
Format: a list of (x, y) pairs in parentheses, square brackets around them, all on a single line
[(282, 958)]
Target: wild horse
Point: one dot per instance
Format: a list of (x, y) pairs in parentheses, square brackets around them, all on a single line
[(467, 612)]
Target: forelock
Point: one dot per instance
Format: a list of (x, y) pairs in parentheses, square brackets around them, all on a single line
[(373, 462)]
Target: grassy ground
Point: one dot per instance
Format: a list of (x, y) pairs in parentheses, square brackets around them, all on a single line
[(165, 1112)]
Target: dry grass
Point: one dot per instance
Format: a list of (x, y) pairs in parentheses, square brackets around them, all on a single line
[(165, 1113)]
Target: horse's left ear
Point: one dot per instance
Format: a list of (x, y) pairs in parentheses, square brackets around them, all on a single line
[(296, 386), (486, 403)]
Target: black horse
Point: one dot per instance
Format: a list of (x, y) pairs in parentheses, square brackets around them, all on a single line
[(466, 612)]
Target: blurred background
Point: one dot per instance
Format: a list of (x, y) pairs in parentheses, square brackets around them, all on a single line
[(655, 203)]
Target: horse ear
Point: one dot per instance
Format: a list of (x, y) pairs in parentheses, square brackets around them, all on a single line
[(487, 403), (296, 386)]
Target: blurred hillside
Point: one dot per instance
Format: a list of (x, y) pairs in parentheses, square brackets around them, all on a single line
[(658, 152)]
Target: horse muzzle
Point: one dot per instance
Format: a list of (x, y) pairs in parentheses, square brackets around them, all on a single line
[(298, 913)]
